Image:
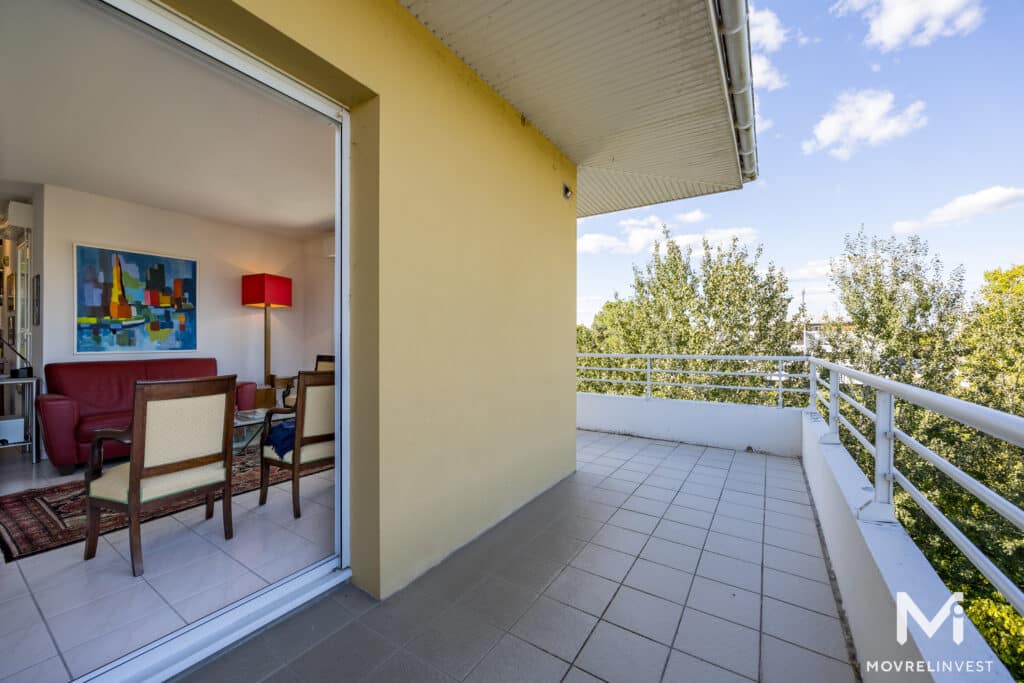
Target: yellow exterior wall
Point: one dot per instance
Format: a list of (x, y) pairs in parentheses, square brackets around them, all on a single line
[(464, 325)]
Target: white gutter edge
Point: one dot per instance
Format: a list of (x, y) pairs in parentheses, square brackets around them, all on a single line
[(734, 26)]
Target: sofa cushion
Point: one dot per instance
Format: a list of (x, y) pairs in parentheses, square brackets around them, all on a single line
[(87, 426), (179, 368), (99, 387)]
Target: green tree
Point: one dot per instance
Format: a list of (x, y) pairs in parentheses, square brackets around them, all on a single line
[(902, 311), (907, 319), (722, 303), (993, 341)]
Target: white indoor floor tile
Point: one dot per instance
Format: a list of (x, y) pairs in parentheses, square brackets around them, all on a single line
[(129, 635), (12, 583), (18, 613), (217, 596), (297, 557), (50, 670), (23, 648), (104, 615), (196, 576)]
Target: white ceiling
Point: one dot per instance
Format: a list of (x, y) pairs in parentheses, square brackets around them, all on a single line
[(633, 92), (94, 103)]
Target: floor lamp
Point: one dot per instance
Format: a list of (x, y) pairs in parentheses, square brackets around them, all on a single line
[(266, 291)]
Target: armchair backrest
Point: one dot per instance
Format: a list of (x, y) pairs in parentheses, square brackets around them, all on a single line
[(314, 414), (181, 424), (324, 363)]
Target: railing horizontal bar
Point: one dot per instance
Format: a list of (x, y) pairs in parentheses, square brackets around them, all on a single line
[(611, 381), (580, 368), (691, 356), (715, 373), (994, 422), (857, 404), (736, 387), (728, 373), (990, 571), (1008, 510), (868, 446)]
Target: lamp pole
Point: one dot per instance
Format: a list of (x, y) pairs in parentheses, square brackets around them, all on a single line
[(266, 345)]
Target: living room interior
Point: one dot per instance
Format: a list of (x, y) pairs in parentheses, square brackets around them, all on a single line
[(164, 228)]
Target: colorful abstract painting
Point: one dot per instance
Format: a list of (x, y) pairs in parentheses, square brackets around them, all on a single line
[(129, 301)]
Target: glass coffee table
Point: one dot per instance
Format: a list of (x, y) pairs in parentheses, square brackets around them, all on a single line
[(249, 426)]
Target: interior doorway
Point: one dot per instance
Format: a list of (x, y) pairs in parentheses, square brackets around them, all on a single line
[(216, 161)]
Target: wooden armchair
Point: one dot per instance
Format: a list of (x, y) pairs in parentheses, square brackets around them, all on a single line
[(314, 433), (180, 439), (324, 363)]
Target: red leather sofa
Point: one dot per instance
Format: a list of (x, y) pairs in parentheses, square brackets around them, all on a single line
[(84, 397)]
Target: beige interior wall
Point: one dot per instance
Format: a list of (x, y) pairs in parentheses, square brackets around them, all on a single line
[(463, 279), (318, 300), (227, 331)]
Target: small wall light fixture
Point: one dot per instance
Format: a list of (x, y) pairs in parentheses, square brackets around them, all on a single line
[(566, 191)]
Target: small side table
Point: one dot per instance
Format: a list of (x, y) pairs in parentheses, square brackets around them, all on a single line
[(249, 425), (30, 387)]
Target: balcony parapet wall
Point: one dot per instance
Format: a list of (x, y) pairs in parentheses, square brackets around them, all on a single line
[(874, 561), (764, 429)]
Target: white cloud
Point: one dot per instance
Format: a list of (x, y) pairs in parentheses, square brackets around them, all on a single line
[(804, 39), (964, 208), (595, 243), (767, 34), (639, 235), (863, 117), (815, 269), (876, 67), (715, 237), (895, 23), (587, 307), (695, 216), (766, 76)]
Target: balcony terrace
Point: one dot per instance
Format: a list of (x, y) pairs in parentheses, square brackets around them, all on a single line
[(764, 555), (657, 560)]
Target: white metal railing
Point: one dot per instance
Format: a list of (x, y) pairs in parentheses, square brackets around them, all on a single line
[(650, 370), (653, 370)]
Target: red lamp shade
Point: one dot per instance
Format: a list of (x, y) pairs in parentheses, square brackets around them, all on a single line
[(264, 289)]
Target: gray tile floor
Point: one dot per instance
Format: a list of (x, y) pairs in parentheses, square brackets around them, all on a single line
[(654, 561)]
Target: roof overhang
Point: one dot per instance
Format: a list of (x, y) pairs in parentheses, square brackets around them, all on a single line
[(637, 93)]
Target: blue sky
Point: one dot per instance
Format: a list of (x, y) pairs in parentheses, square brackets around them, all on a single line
[(898, 114)]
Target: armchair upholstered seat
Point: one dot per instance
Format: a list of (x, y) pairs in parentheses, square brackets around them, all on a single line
[(314, 433), (180, 446), (114, 483), (317, 451), (324, 363)]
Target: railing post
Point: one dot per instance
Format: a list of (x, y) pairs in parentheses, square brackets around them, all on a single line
[(781, 370), (833, 402), (833, 408), (880, 508), (812, 402), (648, 377)]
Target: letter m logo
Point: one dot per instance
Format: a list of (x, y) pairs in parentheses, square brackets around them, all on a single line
[(905, 606)]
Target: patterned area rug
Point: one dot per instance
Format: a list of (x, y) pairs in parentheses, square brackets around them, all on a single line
[(38, 520)]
